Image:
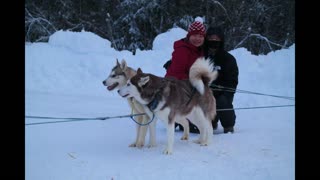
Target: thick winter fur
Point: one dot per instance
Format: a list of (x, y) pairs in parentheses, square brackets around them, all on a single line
[(173, 100), (118, 77)]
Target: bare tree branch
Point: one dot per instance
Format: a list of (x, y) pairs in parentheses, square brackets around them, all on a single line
[(224, 9), (259, 36)]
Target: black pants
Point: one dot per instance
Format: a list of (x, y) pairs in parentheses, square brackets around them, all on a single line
[(227, 118)]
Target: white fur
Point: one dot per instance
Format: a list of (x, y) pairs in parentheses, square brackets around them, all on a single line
[(123, 65), (130, 90), (136, 108), (143, 81), (200, 67), (196, 116), (204, 127), (163, 115)]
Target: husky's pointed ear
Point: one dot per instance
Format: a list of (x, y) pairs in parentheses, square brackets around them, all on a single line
[(118, 64), (139, 71), (123, 64), (143, 81)]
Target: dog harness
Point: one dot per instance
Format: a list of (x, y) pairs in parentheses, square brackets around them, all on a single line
[(155, 101)]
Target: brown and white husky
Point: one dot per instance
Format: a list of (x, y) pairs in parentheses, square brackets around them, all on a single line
[(118, 78), (173, 100)]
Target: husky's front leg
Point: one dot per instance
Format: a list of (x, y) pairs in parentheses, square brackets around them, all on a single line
[(152, 133), (170, 137), (152, 127), (185, 124), (140, 138), (142, 131)]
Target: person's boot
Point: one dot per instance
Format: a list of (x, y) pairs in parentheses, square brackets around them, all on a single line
[(214, 125), (193, 128), (228, 129), (180, 128)]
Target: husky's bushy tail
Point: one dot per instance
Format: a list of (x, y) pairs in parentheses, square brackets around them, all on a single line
[(202, 73)]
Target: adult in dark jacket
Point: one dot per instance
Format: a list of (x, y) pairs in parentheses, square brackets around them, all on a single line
[(224, 86), (226, 83)]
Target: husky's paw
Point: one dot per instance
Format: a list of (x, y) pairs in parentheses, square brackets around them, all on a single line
[(184, 138), (197, 141), (204, 144), (167, 151), (138, 145), (152, 145)]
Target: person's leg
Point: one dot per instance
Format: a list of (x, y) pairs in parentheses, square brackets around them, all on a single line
[(227, 118), (180, 127), (193, 128), (215, 122), (177, 125)]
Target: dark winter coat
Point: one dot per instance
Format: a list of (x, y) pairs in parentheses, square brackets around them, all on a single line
[(228, 73), (183, 56)]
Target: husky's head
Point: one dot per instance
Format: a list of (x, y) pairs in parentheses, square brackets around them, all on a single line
[(117, 77), (135, 86)]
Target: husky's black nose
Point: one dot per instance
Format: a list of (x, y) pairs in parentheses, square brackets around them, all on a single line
[(104, 82)]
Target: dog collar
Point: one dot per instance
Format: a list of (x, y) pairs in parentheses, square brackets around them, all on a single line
[(154, 103)]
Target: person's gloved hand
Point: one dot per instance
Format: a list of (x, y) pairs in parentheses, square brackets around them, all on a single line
[(167, 64)]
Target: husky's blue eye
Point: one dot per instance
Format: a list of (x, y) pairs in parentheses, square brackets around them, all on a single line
[(128, 84), (113, 76)]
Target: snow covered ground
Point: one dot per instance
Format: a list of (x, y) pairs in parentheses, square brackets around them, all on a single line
[(64, 79)]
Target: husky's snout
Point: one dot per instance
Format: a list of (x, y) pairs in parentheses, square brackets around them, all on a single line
[(123, 94)]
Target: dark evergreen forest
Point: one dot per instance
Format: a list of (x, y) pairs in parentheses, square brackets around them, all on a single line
[(260, 26)]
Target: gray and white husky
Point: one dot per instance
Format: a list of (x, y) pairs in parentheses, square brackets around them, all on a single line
[(118, 78), (173, 100)]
